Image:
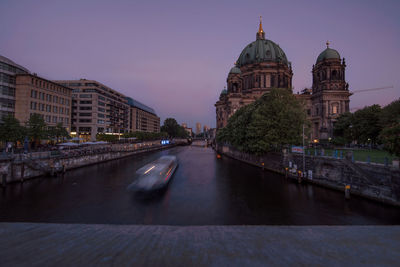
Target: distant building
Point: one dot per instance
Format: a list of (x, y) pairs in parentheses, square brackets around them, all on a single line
[(205, 128), (188, 130), (198, 127), (36, 95), (96, 108), (8, 70), (142, 118), (263, 65)]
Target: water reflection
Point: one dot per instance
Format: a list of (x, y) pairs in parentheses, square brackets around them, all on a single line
[(204, 190)]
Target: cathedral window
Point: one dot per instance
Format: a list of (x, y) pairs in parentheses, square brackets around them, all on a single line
[(334, 75), (335, 108)]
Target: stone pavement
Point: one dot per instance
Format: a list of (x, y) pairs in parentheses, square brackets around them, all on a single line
[(36, 244)]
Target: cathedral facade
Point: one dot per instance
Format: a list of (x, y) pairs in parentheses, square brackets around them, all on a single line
[(263, 65)]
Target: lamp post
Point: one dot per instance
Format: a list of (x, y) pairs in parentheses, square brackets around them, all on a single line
[(304, 154)]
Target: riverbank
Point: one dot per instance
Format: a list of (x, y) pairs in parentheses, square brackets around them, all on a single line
[(377, 182), (22, 167)]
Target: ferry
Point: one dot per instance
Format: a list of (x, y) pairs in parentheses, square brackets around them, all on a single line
[(155, 175)]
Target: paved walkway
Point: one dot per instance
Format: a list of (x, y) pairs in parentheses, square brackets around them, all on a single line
[(129, 245)]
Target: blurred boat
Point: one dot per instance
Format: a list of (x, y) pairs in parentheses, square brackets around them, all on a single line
[(155, 175)]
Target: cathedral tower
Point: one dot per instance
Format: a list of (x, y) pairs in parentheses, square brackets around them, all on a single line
[(330, 93)]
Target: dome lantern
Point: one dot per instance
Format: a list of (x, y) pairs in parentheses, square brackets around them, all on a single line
[(260, 34)]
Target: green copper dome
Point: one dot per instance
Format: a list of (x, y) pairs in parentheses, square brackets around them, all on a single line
[(235, 70), (224, 92), (262, 50), (328, 54)]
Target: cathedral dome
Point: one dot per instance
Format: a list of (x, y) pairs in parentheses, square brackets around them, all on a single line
[(328, 53), (235, 70), (262, 50)]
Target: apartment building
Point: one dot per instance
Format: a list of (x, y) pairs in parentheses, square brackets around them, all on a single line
[(37, 95), (96, 108), (142, 118), (8, 70)]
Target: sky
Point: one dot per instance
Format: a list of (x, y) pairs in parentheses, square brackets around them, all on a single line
[(174, 56)]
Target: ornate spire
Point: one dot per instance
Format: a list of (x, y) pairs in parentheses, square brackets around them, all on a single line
[(327, 44), (260, 33)]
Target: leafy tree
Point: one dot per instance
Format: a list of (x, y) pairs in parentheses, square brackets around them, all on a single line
[(36, 128), (390, 137), (235, 132), (173, 129), (390, 120), (342, 131), (57, 132), (366, 124), (11, 130), (271, 122), (390, 114), (363, 126)]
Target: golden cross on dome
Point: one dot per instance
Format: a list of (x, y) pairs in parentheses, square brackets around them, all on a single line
[(327, 44), (260, 29)]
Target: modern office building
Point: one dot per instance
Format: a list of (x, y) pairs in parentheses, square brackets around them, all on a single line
[(96, 108), (36, 95), (8, 70), (142, 118)]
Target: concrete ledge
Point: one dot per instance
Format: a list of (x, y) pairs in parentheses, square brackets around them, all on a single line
[(104, 245)]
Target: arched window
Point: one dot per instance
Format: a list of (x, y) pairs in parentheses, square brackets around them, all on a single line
[(334, 75), (234, 87), (335, 108)]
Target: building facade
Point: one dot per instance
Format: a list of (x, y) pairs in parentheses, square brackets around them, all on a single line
[(96, 108), (198, 127), (329, 96), (263, 65), (8, 70), (36, 95), (142, 118)]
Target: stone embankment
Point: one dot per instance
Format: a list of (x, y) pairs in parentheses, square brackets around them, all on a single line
[(20, 167), (370, 180)]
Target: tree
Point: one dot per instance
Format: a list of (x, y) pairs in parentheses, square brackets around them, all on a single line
[(11, 130), (173, 129), (57, 132), (366, 124), (390, 137), (274, 120), (36, 128), (390, 121), (390, 114), (363, 126)]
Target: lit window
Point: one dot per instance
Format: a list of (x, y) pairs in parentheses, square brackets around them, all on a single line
[(334, 109)]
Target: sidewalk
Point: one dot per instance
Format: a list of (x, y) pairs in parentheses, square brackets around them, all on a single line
[(136, 245)]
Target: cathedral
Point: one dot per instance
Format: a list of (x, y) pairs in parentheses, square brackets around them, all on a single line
[(263, 65)]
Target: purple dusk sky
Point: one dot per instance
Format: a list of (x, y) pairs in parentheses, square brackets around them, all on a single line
[(175, 55)]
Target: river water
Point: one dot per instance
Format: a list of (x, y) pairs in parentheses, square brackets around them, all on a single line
[(203, 191)]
